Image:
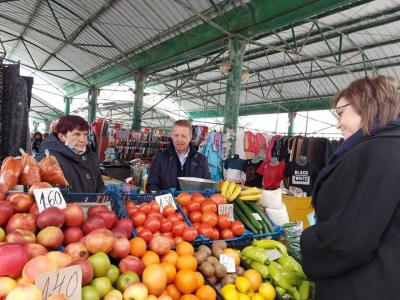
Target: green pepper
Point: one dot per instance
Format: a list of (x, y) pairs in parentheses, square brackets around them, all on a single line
[(270, 244), (247, 260), (291, 264), (260, 268), (280, 291), (294, 278), (275, 270), (256, 254), (304, 290)]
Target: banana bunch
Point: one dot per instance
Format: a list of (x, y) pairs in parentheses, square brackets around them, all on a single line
[(231, 191)]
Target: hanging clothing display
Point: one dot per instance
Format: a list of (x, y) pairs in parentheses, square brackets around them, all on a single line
[(250, 144), (239, 145), (252, 177), (235, 169), (301, 176), (213, 151), (272, 174)]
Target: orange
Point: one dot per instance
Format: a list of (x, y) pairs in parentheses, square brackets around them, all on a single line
[(186, 281), (200, 280), (171, 257), (206, 292), (186, 262), (254, 277), (169, 270), (138, 246), (189, 297), (173, 291), (155, 279), (149, 258), (184, 248)]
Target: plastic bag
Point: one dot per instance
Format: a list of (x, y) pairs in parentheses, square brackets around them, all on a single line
[(30, 170), (10, 171), (278, 216), (292, 232), (272, 199), (50, 170)]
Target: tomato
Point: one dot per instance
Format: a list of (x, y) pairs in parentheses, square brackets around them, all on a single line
[(152, 223), (168, 235), (208, 206), (166, 225), (224, 222), (195, 217), (183, 199), (154, 214), (197, 197), (178, 239), (145, 208), (139, 229), (196, 226), (146, 235), (138, 219), (168, 210), (178, 228), (155, 206), (193, 206), (131, 208), (189, 234), (218, 199), (210, 218), (206, 230), (215, 234), (237, 228), (226, 234), (173, 219), (179, 216)]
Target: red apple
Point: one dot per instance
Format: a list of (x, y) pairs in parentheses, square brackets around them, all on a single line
[(74, 215), (120, 232), (35, 249), (22, 221), (20, 201), (58, 297), (126, 224), (2, 195), (131, 263), (25, 291), (34, 210), (37, 265), (61, 259), (51, 237), (93, 223), (121, 249), (39, 185), (52, 216), (96, 208), (21, 236), (72, 235), (6, 211), (100, 240), (87, 270), (13, 258), (78, 251), (109, 217)]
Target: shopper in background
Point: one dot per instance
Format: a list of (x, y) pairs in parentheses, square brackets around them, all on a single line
[(180, 159), (36, 141), (352, 252), (68, 143)]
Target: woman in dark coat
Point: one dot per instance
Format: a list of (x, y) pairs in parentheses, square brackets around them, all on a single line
[(69, 145), (353, 251)]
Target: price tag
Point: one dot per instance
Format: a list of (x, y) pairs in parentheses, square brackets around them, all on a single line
[(86, 205), (46, 198), (67, 281), (165, 200), (273, 254), (228, 262), (226, 209), (257, 216)]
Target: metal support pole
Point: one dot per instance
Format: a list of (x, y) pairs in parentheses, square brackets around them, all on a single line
[(93, 93), (35, 126), (233, 86), (47, 126), (67, 105), (138, 102), (291, 115)]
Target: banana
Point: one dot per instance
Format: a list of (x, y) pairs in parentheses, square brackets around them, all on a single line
[(235, 193), (224, 187), (230, 190), (254, 197), (250, 191)]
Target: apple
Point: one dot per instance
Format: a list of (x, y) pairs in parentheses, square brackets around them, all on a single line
[(39, 185), (2, 195), (25, 291), (121, 248), (78, 251), (131, 263), (110, 217), (6, 211), (74, 215), (34, 210), (126, 224), (96, 208), (102, 285), (93, 223), (113, 295), (6, 285), (90, 293), (35, 249), (126, 279), (21, 236), (100, 263), (120, 232), (37, 265), (2, 235), (87, 271), (13, 257), (61, 259), (51, 237), (112, 273), (72, 235), (58, 297), (100, 240), (21, 221), (136, 291), (20, 201), (52, 216)]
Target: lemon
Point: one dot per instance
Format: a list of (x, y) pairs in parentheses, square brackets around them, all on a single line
[(257, 296), (243, 297), (243, 284), (231, 294), (229, 290), (267, 291)]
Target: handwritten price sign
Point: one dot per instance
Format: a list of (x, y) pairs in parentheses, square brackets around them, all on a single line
[(46, 198), (228, 262), (165, 200), (67, 281), (226, 209)]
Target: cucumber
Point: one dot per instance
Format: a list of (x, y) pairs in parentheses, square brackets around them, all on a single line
[(240, 216), (262, 215), (247, 212)]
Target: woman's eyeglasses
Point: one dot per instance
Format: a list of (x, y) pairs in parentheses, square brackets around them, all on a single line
[(338, 111)]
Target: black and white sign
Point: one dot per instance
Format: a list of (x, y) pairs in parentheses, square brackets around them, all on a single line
[(165, 200), (273, 254), (228, 262), (51, 197), (226, 209)]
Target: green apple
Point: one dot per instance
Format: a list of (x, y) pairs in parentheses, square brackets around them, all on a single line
[(102, 285), (113, 273), (101, 264), (126, 279), (89, 293), (2, 235), (113, 295)]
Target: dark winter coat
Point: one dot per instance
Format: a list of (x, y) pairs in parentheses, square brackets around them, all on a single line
[(166, 168), (353, 252), (81, 171)]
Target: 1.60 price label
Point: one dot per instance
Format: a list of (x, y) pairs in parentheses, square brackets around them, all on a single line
[(46, 198), (165, 200)]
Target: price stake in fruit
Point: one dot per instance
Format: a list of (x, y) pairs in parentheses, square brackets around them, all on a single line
[(67, 281), (165, 200), (228, 262), (257, 216), (273, 254), (46, 198), (226, 209)]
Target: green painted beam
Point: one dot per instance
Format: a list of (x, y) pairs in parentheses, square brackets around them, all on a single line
[(67, 105), (138, 102), (270, 108), (248, 20)]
